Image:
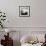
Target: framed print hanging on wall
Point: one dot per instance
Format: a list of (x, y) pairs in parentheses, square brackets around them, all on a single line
[(24, 11)]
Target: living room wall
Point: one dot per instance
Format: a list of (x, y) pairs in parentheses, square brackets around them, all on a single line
[(36, 21), (37, 13)]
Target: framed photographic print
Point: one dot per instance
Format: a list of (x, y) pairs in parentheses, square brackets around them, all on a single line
[(24, 11)]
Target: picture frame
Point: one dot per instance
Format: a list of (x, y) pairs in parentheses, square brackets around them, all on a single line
[(24, 11)]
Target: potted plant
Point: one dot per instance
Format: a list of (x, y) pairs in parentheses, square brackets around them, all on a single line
[(2, 19)]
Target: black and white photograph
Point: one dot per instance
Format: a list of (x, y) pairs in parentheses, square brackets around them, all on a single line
[(24, 11)]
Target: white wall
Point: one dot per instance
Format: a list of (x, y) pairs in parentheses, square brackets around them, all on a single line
[(37, 13)]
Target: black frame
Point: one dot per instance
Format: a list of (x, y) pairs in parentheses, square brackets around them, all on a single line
[(20, 11)]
